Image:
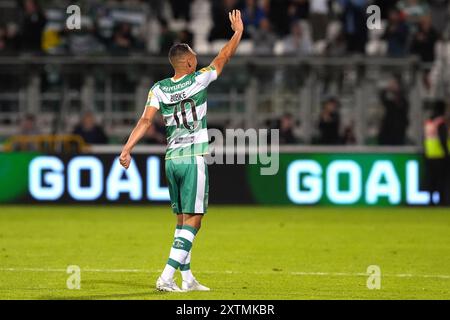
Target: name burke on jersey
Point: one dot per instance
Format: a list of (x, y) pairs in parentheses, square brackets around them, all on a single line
[(178, 96)]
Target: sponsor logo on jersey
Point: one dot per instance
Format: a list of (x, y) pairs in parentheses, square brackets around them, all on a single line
[(184, 140), (177, 86)]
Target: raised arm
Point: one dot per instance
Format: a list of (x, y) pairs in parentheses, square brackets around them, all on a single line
[(138, 132), (230, 48)]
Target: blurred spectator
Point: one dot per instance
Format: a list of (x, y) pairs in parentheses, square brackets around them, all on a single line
[(185, 36), (28, 126), (252, 15), (181, 9), (12, 31), (298, 42), (123, 41), (286, 126), (221, 27), (413, 10), (5, 44), (336, 46), (277, 16), (52, 41), (298, 9), (282, 14), (395, 120), (386, 6), (156, 132), (152, 136), (329, 122), (437, 152), (439, 11), (349, 136), (166, 38), (396, 35), (32, 26), (355, 24), (424, 40), (263, 38), (90, 131), (318, 18), (83, 42)]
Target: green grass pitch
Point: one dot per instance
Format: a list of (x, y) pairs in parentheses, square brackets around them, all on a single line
[(241, 252)]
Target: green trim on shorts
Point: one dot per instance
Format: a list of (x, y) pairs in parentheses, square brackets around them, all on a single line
[(188, 185)]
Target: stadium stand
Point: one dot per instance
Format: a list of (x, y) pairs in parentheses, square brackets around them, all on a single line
[(58, 72)]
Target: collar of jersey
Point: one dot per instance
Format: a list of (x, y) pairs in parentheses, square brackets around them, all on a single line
[(175, 81)]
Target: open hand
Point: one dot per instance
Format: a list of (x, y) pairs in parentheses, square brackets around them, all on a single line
[(236, 21)]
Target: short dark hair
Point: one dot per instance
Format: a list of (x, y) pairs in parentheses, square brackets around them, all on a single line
[(178, 50)]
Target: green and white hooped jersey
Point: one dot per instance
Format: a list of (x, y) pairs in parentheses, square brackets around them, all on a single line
[(182, 103)]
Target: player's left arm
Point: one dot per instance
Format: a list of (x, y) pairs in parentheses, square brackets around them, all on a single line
[(138, 132)]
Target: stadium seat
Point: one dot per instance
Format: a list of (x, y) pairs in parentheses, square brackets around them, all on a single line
[(245, 48), (216, 45), (278, 48), (319, 47)]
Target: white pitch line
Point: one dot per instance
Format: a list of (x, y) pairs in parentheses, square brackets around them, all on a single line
[(294, 273)]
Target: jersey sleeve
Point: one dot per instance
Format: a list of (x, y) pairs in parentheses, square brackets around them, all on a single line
[(206, 75), (152, 100)]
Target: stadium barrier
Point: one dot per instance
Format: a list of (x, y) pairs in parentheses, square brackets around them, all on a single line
[(253, 92), (46, 143), (341, 176)]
